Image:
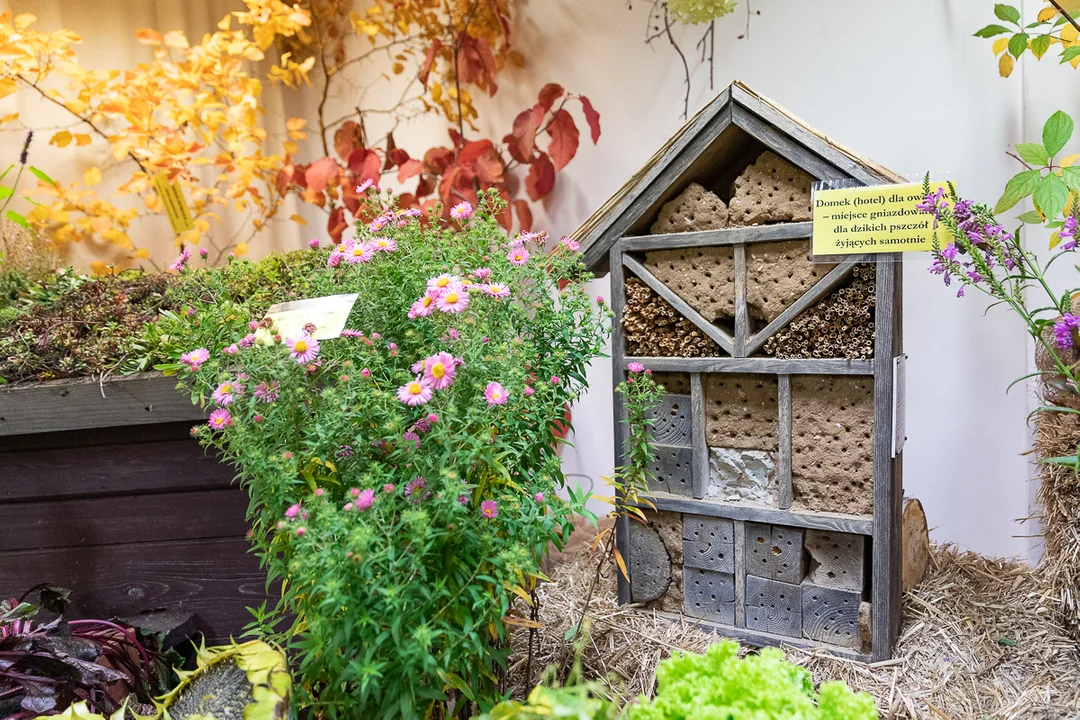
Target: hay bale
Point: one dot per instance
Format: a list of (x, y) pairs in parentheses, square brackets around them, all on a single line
[(1058, 434)]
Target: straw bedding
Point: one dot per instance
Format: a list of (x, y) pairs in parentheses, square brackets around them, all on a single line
[(981, 638)]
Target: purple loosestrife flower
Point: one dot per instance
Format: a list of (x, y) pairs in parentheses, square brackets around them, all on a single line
[(974, 276), (950, 252), (1063, 330)]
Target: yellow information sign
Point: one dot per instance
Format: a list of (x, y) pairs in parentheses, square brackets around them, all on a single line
[(176, 207), (878, 219)]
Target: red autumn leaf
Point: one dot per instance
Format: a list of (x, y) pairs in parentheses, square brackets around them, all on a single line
[(522, 142), (549, 94), (429, 60), (524, 213), (541, 177), (391, 148), (456, 138), (366, 165), (425, 187), (336, 223), (348, 138), (591, 117), (474, 149), (399, 157), (408, 169), (406, 200), (476, 63), (505, 217), (284, 178), (319, 173), (564, 139), (449, 181), (436, 160)]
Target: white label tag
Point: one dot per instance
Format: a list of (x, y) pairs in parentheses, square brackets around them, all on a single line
[(898, 407), (328, 314)]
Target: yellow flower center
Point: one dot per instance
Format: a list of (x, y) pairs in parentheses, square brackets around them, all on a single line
[(451, 297), (415, 388), (300, 346), (357, 251), (442, 282), (226, 388), (382, 243), (496, 395), (427, 301), (438, 370)]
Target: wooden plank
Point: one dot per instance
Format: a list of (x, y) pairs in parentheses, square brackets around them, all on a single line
[(142, 399), (757, 513), (888, 481), (836, 559), (123, 520), (134, 434), (671, 470), (709, 594), (759, 638), (662, 171), (104, 471), (721, 338), (708, 543), (763, 365), (742, 318), (774, 552), (785, 124), (701, 448), (783, 145), (783, 455), (722, 236), (820, 289), (672, 420), (618, 374), (216, 579), (773, 606), (830, 615), (740, 573)]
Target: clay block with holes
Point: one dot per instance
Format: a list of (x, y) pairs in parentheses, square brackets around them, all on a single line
[(710, 595), (831, 616), (773, 606), (708, 543), (695, 208), (672, 470), (832, 443), (668, 526), (671, 420), (673, 382), (703, 276), (741, 411), (774, 552), (778, 274), (771, 190), (836, 559)]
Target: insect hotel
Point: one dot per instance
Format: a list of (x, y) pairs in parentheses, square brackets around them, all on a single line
[(777, 493)]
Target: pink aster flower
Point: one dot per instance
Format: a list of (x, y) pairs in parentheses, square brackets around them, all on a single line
[(425, 305), (635, 367), (247, 341), (301, 531), (365, 500), (350, 333), (482, 273), (442, 282), (303, 349), (203, 252), (518, 256), (220, 419), (538, 497), (195, 358), (463, 499), (181, 261), (359, 253), (417, 489), (293, 512), (266, 392), (412, 438), (570, 244), (383, 244), (461, 211), (415, 392), (529, 392), (313, 243), (227, 392), (439, 370), (489, 509), (380, 222), (497, 290), (319, 492), (365, 186), (453, 300), (555, 380), (388, 488), (231, 350), (495, 394)]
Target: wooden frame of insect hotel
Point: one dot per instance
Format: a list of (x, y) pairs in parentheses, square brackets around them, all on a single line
[(777, 489)]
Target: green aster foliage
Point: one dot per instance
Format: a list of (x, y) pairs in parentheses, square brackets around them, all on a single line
[(720, 685), (396, 592)]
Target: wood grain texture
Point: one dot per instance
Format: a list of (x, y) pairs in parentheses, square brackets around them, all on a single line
[(671, 470), (831, 616), (723, 236), (709, 594), (123, 520), (773, 606), (216, 579), (708, 543), (836, 559), (742, 310), (756, 513), (783, 145), (671, 420), (740, 572), (90, 437), (701, 449), (775, 552), (783, 454), (143, 399), (762, 365), (618, 375), (717, 335)]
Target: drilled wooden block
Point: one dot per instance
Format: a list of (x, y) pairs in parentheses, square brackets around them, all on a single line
[(709, 595), (774, 552), (650, 563), (836, 559), (671, 420), (672, 470), (773, 606), (709, 543), (831, 616)]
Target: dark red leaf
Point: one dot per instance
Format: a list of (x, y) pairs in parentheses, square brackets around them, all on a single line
[(541, 177), (391, 148), (365, 164), (399, 156), (320, 172), (456, 138), (524, 214), (522, 142), (591, 117), (425, 187), (474, 149), (336, 224), (564, 139), (348, 138), (549, 94), (436, 160), (429, 60), (408, 169)]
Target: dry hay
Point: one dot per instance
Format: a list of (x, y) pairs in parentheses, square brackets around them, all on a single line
[(980, 639), (1057, 435)]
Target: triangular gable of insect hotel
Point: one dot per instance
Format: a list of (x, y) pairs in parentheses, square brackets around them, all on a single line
[(777, 496)]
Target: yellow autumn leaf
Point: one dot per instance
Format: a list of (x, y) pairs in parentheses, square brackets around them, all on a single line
[(142, 254), (1069, 160), (397, 68), (99, 267), (24, 20), (148, 36), (999, 45), (298, 220), (176, 39), (61, 139), (1005, 65), (1069, 33), (241, 249), (1055, 239), (92, 177), (1046, 14), (7, 86), (81, 139), (9, 118)]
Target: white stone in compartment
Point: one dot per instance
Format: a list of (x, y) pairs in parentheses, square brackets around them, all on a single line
[(742, 476)]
